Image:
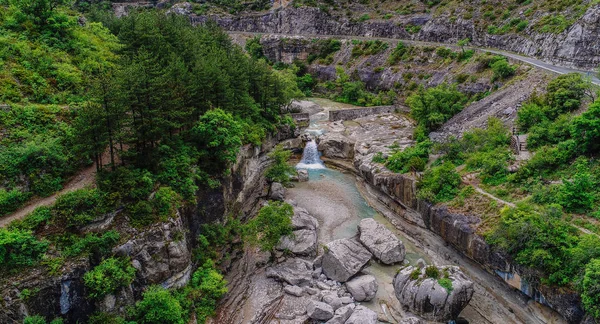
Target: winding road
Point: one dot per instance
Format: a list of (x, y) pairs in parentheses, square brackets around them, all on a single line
[(523, 58)]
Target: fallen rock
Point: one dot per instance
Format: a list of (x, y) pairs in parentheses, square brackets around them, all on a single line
[(362, 315), (319, 311), (384, 245), (344, 258), (294, 291), (363, 288), (303, 220), (294, 271), (277, 191), (342, 314), (331, 298), (425, 296), (336, 146), (302, 175), (300, 242)]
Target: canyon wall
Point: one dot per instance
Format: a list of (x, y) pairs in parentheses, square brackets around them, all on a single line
[(577, 46)]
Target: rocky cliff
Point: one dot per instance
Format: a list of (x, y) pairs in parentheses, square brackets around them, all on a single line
[(576, 46), (161, 253)]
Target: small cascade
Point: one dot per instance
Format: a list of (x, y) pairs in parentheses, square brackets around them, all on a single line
[(311, 158)]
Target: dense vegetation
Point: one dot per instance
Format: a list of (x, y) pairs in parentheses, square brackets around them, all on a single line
[(160, 107)]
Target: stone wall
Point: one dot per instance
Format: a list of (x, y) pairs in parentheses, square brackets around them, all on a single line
[(350, 114)]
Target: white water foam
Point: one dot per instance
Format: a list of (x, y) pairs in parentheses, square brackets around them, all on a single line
[(311, 158)]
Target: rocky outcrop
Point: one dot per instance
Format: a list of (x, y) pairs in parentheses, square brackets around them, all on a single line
[(362, 315), (382, 243), (427, 298), (277, 191), (344, 258), (336, 146), (303, 240), (342, 314), (319, 311), (363, 288), (294, 271), (576, 46)]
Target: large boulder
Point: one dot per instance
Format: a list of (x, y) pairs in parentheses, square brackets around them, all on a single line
[(300, 242), (344, 258), (302, 175), (277, 191), (319, 311), (363, 288), (384, 245), (426, 297), (342, 314), (303, 220), (336, 146), (362, 315), (294, 271)]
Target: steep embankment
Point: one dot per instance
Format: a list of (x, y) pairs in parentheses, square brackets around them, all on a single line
[(574, 46)]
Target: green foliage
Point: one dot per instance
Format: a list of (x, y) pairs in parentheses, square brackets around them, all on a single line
[(38, 217), (323, 50), (439, 183), (493, 164), (434, 106), (158, 306), (11, 200), (577, 194), (254, 48), (215, 236), (415, 274), (108, 277), (206, 287), (586, 130), (400, 52), (19, 248), (102, 318), (410, 159), (432, 272), (565, 93), (37, 319), (218, 136), (531, 114), (368, 48), (591, 288), (91, 243), (166, 202), (79, 207), (272, 222), (502, 69), (446, 283), (280, 171)]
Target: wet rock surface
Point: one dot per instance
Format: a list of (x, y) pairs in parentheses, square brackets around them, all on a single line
[(428, 298), (382, 243), (344, 258)]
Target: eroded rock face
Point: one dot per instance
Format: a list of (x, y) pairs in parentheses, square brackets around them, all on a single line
[(336, 146), (384, 245), (344, 258), (427, 298), (363, 288), (303, 240), (362, 315), (295, 272), (319, 311), (277, 191)]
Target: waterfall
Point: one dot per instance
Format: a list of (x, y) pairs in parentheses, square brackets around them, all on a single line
[(311, 158)]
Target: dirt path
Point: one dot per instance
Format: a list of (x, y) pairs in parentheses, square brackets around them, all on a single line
[(84, 178)]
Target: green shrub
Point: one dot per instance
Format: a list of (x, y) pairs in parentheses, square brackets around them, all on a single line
[(439, 184), (529, 115), (141, 213), (108, 277), (158, 306), (411, 159), (280, 171), (126, 184), (203, 292), (415, 274), (446, 283), (585, 130), (38, 217), (255, 48), (103, 318), (37, 319), (19, 248), (493, 165), (591, 288), (502, 69), (11, 200), (166, 202), (399, 53), (434, 106), (273, 222), (564, 94), (432, 272), (577, 194), (91, 243), (79, 207)]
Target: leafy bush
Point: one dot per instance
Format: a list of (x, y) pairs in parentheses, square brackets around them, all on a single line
[(432, 272), (91, 243), (586, 130), (273, 222), (502, 69), (577, 194), (431, 108), (19, 248), (109, 276), (493, 165), (126, 184), (206, 287), (411, 159), (399, 53), (37, 319), (39, 216), (565, 93), (254, 48), (439, 184), (158, 306), (446, 283), (166, 202), (11, 200), (79, 207), (591, 288), (141, 213), (280, 170)]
